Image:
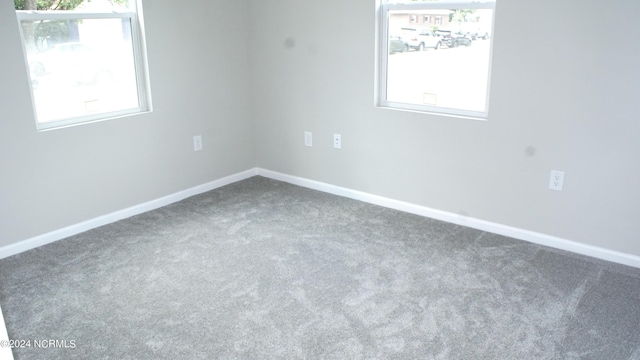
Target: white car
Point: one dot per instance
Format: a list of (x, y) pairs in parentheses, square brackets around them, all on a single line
[(420, 39), (474, 31), (83, 63)]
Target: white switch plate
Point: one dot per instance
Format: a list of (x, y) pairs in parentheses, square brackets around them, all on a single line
[(197, 143), (337, 141), (308, 139), (556, 180)]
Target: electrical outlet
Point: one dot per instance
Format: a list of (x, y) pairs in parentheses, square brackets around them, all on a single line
[(197, 143), (556, 180), (337, 141), (308, 139)]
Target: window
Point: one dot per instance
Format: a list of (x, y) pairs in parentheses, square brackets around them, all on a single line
[(442, 68), (426, 19), (86, 59)]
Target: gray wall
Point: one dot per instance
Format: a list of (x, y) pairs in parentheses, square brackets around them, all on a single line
[(565, 89), (53, 179)]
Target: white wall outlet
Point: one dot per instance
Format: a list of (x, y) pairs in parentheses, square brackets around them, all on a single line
[(308, 139), (197, 143), (337, 141), (556, 180)]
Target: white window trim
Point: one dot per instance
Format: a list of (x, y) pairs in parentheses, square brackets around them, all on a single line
[(383, 8), (139, 54)]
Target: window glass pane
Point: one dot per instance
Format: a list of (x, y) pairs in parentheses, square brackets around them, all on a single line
[(441, 60), (80, 67)]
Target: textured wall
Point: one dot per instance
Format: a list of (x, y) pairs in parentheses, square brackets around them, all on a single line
[(53, 179), (564, 94)]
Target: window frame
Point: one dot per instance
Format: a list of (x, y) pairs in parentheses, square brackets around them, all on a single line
[(384, 8), (134, 14)]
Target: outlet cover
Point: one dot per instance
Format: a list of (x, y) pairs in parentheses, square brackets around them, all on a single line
[(556, 180), (337, 141), (197, 143)]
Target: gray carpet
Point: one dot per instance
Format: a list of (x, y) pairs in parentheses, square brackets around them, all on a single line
[(262, 269)]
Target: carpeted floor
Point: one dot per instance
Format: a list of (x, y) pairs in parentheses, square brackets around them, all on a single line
[(262, 269)]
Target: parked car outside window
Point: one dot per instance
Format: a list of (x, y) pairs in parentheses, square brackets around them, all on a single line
[(420, 39), (83, 63), (474, 30), (452, 38), (397, 44)]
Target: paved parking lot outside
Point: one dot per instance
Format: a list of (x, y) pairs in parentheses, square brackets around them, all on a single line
[(448, 77)]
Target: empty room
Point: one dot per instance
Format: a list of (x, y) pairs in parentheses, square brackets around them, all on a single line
[(358, 179)]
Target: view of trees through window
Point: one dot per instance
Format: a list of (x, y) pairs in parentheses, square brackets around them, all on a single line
[(44, 30)]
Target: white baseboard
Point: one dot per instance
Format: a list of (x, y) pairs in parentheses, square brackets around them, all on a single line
[(513, 232), (517, 233), (56, 235)]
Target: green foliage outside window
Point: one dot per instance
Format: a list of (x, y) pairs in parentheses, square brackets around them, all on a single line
[(55, 4)]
